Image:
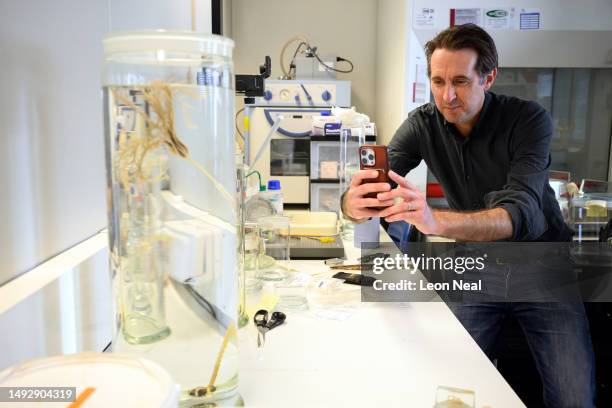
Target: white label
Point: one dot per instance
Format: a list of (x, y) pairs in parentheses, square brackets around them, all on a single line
[(424, 18), (468, 15), (419, 90), (499, 18)]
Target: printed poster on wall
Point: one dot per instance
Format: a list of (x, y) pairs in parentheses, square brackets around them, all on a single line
[(461, 16), (419, 87), (501, 18), (530, 19), (424, 18)]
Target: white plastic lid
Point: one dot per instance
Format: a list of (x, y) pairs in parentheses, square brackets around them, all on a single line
[(119, 380), (169, 41)]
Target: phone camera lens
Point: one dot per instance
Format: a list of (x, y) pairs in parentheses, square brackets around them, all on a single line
[(364, 161), (371, 156), (363, 152)]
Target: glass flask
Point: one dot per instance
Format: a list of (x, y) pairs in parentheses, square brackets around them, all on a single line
[(171, 172)]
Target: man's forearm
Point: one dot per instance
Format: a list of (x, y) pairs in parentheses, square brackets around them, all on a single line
[(488, 225)]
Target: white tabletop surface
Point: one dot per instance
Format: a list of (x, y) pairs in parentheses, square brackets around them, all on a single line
[(371, 355)]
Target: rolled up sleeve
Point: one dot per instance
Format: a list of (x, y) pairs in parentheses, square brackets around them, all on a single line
[(522, 195)]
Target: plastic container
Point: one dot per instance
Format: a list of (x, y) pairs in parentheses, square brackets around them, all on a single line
[(324, 160), (171, 172), (325, 197), (314, 224), (275, 196), (117, 381), (367, 234)]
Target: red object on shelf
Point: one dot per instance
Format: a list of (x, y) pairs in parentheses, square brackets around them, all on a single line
[(434, 190)]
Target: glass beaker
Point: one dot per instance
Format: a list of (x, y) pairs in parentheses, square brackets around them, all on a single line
[(253, 252), (243, 319), (352, 135), (169, 132), (275, 238)]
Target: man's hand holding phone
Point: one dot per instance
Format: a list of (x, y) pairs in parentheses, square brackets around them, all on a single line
[(359, 207)]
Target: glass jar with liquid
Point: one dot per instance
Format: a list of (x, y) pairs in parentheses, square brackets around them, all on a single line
[(171, 172)]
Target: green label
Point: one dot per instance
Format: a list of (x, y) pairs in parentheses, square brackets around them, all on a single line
[(497, 13)]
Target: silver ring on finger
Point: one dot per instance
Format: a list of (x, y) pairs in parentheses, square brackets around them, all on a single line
[(409, 206)]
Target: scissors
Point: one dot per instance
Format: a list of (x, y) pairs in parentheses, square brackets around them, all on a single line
[(264, 325)]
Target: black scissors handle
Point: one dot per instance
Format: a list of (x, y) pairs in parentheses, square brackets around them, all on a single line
[(261, 318), (276, 320)]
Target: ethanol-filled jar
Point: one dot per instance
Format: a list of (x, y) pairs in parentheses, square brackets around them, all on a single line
[(169, 115)]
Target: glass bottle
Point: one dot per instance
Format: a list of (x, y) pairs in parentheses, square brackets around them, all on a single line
[(171, 179)]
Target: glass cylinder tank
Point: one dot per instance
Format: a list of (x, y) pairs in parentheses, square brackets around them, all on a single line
[(169, 114)]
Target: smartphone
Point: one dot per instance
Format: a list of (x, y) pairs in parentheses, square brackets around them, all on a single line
[(374, 157), (355, 279)]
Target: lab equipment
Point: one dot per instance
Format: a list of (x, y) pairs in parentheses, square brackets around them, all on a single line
[(286, 157), (307, 63), (313, 224), (273, 264), (352, 136), (316, 247), (264, 325), (171, 172), (253, 252), (590, 209), (275, 196), (258, 206), (315, 235), (325, 196)]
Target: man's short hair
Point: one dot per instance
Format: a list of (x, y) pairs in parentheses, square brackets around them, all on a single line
[(462, 37)]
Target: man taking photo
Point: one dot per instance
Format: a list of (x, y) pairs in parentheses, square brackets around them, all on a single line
[(490, 154)]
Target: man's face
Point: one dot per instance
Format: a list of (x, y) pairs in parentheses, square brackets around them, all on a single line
[(457, 89)]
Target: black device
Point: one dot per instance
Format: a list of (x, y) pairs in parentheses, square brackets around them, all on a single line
[(366, 259), (253, 85), (355, 279)]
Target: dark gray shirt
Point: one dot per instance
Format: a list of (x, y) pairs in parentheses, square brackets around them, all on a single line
[(503, 162)]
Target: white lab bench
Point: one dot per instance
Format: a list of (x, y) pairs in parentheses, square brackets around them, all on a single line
[(383, 355)]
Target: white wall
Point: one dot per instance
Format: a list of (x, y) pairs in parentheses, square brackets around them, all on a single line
[(154, 14), (52, 151), (343, 27), (391, 51), (52, 170), (555, 14), (396, 49), (52, 175)]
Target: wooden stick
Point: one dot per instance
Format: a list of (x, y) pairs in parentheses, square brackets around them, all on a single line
[(231, 329)]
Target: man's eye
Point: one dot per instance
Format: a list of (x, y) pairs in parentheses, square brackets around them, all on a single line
[(461, 82)]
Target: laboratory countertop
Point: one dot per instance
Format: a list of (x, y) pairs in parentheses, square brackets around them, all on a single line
[(365, 355), (342, 352)]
